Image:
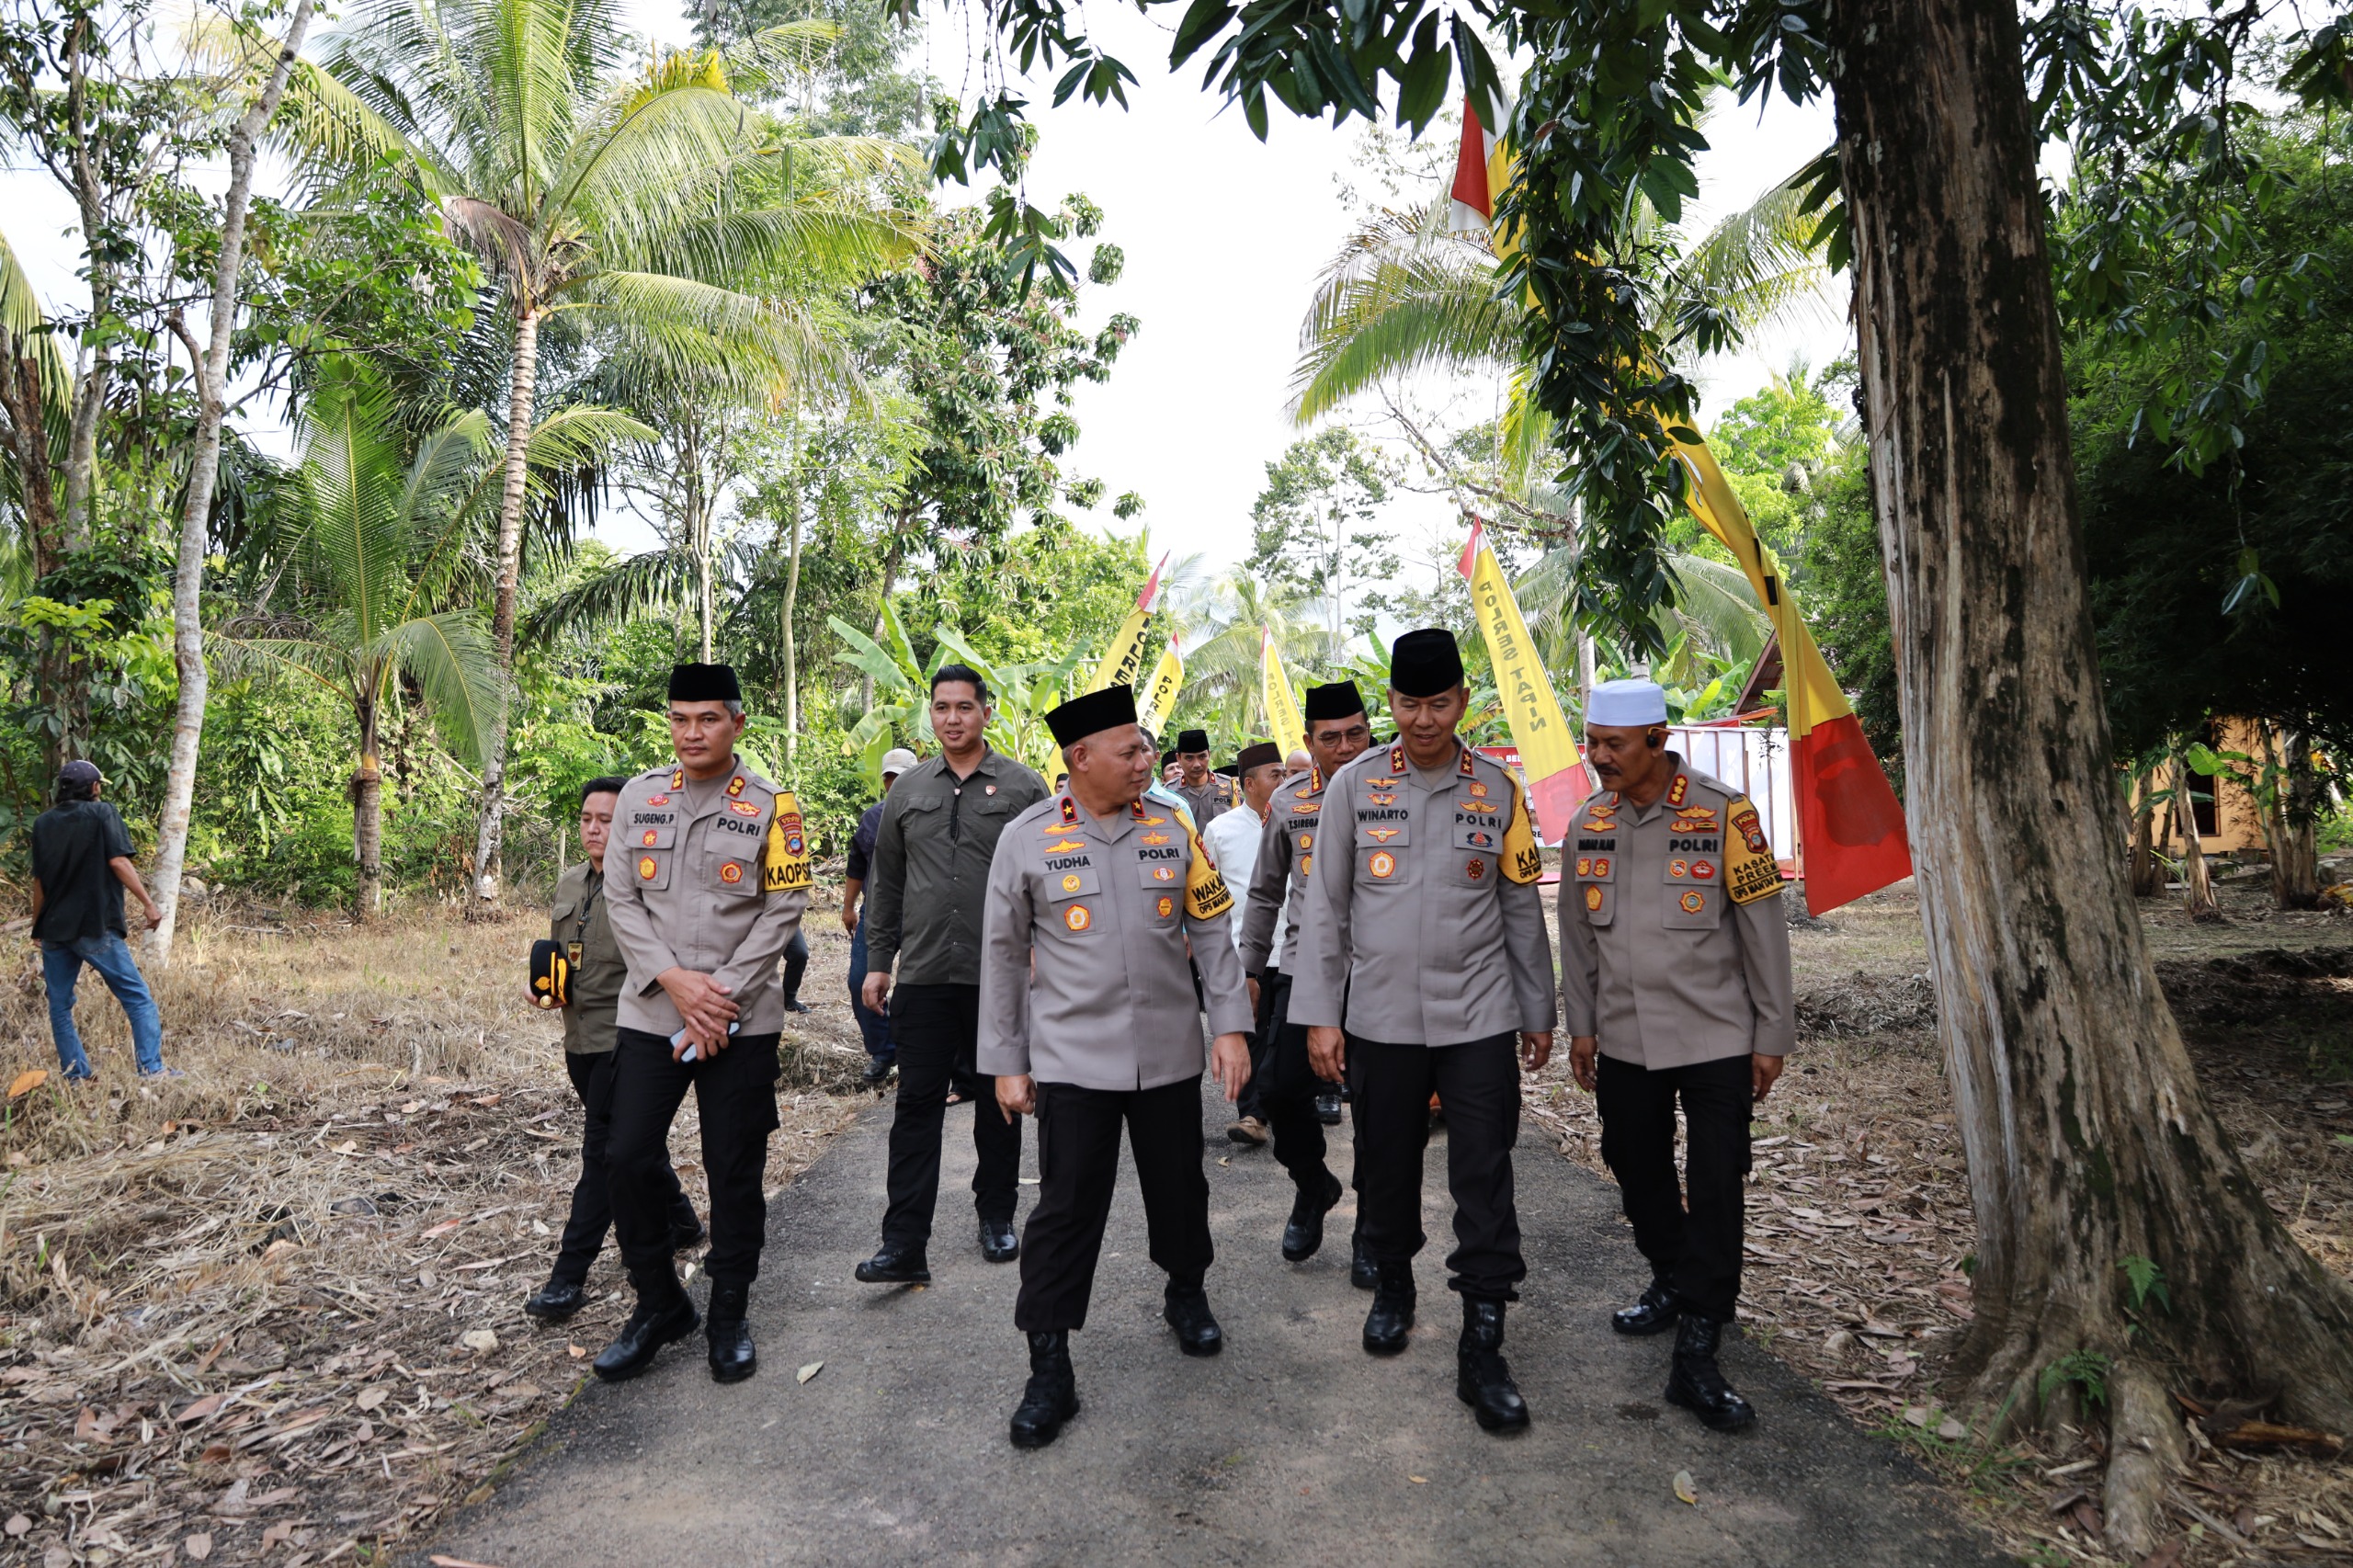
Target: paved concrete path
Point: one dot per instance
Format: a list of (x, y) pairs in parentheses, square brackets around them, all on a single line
[(1292, 1447)]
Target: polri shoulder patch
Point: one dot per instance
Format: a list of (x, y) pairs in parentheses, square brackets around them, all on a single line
[(1750, 871)]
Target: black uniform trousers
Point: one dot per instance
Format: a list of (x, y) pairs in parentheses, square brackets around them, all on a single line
[(592, 1207), (1078, 1165), (939, 1030), (1479, 1082), (1696, 1252), (735, 1097), (1287, 1085)]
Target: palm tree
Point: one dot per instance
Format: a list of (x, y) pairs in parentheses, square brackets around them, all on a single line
[(654, 205)]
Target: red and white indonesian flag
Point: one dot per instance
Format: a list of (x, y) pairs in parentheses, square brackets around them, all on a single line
[(1482, 169)]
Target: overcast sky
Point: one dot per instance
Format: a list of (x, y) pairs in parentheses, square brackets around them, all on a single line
[(1224, 237)]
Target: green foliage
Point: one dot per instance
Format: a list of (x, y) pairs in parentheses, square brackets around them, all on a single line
[(2087, 1369), (2146, 1283), (1317, 531)]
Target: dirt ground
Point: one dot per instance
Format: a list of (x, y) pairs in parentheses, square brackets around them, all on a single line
[(1860, 1221), (270, 1311)]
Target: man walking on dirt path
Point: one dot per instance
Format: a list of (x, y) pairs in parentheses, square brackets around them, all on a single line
[(873, 1023), (706, 879), (1087, 1023), (939, 827), (581, 932), (82, 865), (1422, 961), (1675, 968), (1293, 1097)]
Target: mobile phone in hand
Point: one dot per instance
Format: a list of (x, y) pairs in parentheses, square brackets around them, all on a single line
[(693, 1051)]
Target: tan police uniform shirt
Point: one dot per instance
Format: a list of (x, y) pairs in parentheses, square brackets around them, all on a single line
[(1286, 850), (1422, 926), (1216, 797), (1082, 948), (582, 928), (710, 877), (1673, 947)]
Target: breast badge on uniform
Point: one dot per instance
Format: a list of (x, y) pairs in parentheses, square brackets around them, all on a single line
[(1164, 873), (653, 838), (743, 808), (1476, 870), (1165, 907), (648, 867), (1306, 866), (1592, 897), (1152, 838), (1693, 902), (1679, 867), (658, 800), (1478, 791), (1384, 833), (1703, 869), (1307, 841), (1382, 864), (1065, 846), (1073, 882), (1078, 918), (731, 872), (1584, 865), (1601, 865)]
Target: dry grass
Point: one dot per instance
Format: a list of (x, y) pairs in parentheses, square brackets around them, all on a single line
[(273, 1308), (1861, 1219)]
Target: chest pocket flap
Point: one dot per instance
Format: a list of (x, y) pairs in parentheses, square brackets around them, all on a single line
[(1484, 833), (652, 830), (1168, 876), (1380, 831)]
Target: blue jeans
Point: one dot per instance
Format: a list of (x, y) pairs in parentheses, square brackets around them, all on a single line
[(60, 966), (872, 1024)]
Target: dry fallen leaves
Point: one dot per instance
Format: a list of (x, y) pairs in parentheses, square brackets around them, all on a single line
[(809, 1372), (25, 1082), (1686, 1489)]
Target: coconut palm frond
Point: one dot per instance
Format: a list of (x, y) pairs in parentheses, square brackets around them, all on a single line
[(25, 326), (455, 663), (632, 586)]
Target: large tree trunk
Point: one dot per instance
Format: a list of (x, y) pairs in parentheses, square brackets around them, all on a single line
[(2088, 1139), (2196, 881), (367, 816), (491, 814), (204, 469)]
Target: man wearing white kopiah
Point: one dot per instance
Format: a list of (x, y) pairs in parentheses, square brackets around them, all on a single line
[(1675, 977)]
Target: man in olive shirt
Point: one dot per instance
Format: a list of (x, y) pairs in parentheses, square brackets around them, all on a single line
[(1206, 792), (1087, 1022), (706, 880), (929, 874), (583, 933), (1422, 931), (1675, 968)]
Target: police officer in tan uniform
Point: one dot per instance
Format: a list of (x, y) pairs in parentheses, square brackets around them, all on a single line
[(1206, 792), (1087, 1023), (1337, 733), (1675, 968), (706, 875), (1422, 962)]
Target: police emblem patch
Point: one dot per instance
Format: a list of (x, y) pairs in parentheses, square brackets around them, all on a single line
[(1307, 841), (1693, 902), (1584, 865), (1703, 869), (743, 808), (658, 800), (732, 872), (1071, 881), (1166, 906), (650, 839), (1592, 897), (1679, 867), (1153, 838), (793, 844), (1164, 873), (1382, 864), (1078, 917), (1476, 870), (1601, 865), (1478, 791), (1384, 833), (647, 868), (1306, 865)]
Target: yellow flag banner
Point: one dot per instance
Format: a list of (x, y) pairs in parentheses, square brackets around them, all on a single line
[(1274, 691), (1158, 700), (1850, 828), (1548, 752), (1123, 660)]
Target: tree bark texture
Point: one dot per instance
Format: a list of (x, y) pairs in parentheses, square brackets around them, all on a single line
[(2197, 880), (491, 815), (2148, 882), (2295, 845), (196, 516), (2088, 1139), (368, 816)]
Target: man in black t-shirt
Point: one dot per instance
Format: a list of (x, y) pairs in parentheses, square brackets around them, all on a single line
[(81, 865)]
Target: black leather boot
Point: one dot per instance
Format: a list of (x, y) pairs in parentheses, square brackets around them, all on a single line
[(1052, 1396), (687, 1232), (998, 1244), (894, 1266), (1485, 1381), (1698, 1383), (1654, 1313), (1186, 1310), (1361, 1273), (1392, 1317), (665, 1315), (1303, 1232), (555, 1301), (733, 1357)]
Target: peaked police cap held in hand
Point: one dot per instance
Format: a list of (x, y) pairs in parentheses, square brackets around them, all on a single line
[(1092, 714), (704, 683), (1425, 663)]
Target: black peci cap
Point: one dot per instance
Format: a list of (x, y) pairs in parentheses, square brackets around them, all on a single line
[(1258, 754), (704, 683), (1192, 741), (1425, 663), (1092, 714), (1341, 700)]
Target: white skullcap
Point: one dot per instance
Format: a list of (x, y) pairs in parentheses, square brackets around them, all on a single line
[(898, 760), (1626, 702)]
